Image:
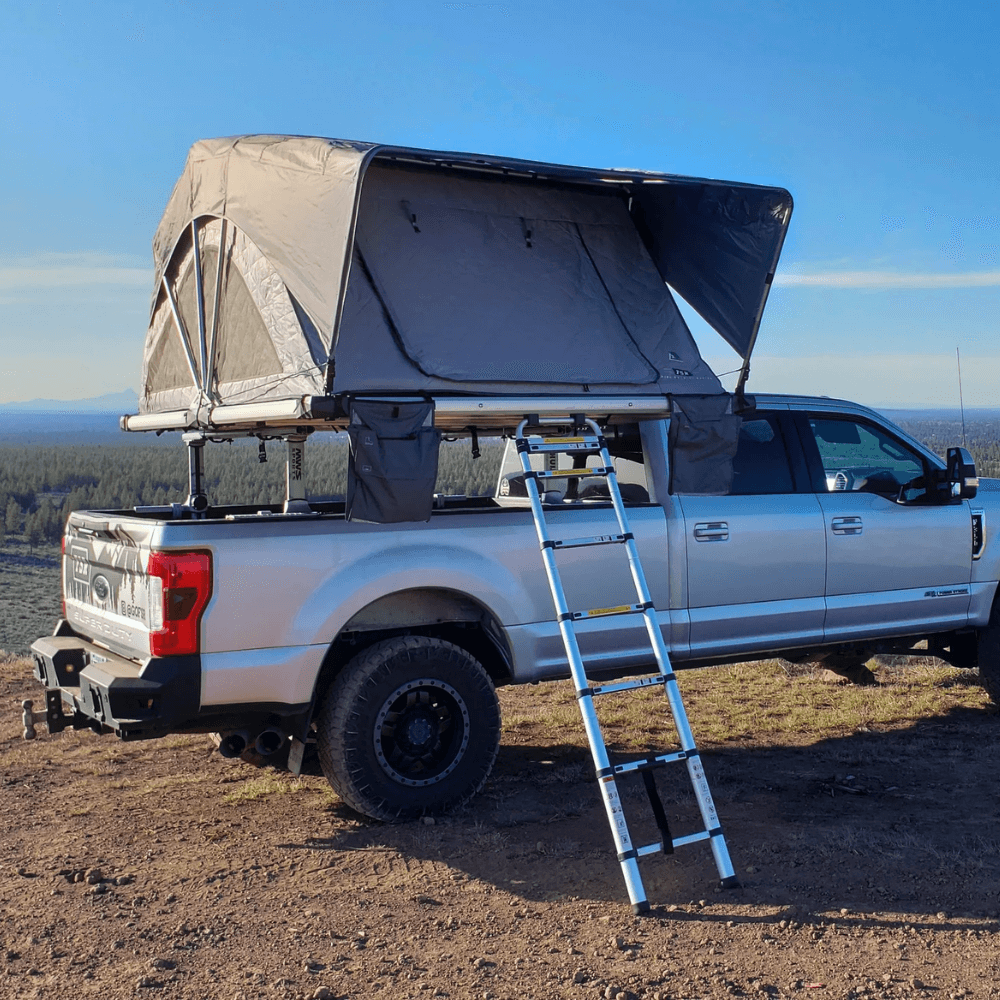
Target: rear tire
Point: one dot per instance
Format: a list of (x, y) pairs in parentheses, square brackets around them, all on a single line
[(410, 727)]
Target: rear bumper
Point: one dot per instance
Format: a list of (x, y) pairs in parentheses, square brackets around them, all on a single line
[(89, 687)]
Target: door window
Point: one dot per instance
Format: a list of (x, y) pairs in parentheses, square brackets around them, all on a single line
[(761, 462), (859, 456)]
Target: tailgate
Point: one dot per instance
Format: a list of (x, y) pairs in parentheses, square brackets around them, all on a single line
[(105, 585)]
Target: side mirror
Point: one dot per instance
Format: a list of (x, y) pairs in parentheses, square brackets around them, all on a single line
[(961, 474)]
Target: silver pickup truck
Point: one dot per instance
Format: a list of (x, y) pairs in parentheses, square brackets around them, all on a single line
[(840, 537), (308, 284)]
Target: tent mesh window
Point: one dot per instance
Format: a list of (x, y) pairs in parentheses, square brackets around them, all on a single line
[(244, 349), (167, 367)]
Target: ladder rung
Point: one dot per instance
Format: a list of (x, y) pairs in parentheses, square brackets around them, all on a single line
[(640, 765), (575, 444), (600, 470), (632, 685), (621, 609), (575, 543), (641, 852), (692, 838)]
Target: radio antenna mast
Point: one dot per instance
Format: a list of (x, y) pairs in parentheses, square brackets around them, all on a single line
[(961, 403)]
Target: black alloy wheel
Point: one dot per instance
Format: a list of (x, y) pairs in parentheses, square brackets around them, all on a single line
[(410, 727)]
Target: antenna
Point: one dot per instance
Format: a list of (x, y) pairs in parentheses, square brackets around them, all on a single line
[(961, 403)]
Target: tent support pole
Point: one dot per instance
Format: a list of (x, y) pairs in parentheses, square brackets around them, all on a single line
[(197, 497), (295, 478), (741, 400), (216, 309), (181, 331), (200, 296), (741, 383)]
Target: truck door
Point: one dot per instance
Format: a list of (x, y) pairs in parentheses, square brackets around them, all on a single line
[(898, 561), (756, 559)]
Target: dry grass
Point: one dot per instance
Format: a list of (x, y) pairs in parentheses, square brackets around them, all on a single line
[(263, 785), (186, 740), (750, 701), (157, 786)]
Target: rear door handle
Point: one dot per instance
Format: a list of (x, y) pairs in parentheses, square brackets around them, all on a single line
[(847, 526), (711, 531)]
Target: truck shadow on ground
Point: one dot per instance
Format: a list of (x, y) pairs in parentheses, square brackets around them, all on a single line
[(902, 822)]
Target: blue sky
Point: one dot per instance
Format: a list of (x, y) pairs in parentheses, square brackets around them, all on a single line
[(881, 119)]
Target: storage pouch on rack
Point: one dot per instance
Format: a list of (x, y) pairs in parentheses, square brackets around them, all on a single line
[(393, 462), (703, 436)]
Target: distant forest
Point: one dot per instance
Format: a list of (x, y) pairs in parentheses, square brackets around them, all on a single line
[(982, 438), (40, 483)]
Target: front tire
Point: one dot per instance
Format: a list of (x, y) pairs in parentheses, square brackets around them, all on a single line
[(989, 656), (410, 727)]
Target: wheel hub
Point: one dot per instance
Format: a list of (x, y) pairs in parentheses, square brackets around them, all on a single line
[(421, 732)]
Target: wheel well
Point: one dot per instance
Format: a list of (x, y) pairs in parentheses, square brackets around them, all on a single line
[(441, 614)]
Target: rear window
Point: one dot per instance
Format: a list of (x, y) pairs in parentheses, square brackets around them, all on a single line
[(625, 450), (761, 464)]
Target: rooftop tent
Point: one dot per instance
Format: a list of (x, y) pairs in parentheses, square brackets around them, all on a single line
[(289, 267)]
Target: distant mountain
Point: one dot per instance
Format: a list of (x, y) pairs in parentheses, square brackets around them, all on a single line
[(112, 402)]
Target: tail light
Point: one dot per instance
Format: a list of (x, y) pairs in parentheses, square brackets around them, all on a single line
[(180, 584)]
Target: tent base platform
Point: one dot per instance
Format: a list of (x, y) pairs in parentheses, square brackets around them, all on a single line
[(450, 413)]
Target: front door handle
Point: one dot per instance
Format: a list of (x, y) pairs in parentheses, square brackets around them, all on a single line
[(711, 531), (847, 526)]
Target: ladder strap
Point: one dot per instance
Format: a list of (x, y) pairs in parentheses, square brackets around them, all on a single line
[(628, 855), (658, 814)]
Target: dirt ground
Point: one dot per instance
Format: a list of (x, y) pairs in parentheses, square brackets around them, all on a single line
[(869, 862)]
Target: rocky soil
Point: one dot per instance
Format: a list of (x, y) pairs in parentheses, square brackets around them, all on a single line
[(870, 867)]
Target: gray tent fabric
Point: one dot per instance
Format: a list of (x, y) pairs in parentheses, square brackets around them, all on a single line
[(702, 440), (382, 269), (508, 283), (393, 464), (709, 245)]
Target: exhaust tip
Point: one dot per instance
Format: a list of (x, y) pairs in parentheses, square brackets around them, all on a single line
[(233, 744), (268, 742)]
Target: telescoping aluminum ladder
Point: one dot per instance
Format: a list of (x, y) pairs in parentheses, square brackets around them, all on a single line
[(587, 439)]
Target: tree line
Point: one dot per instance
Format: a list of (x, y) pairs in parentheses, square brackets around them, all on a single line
[(982, 438), (41, 484)]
